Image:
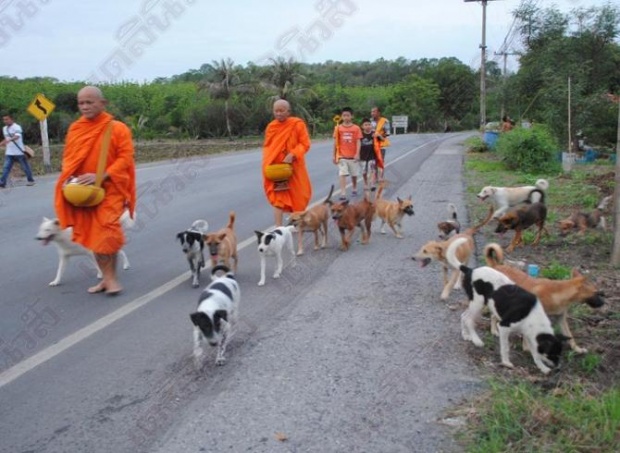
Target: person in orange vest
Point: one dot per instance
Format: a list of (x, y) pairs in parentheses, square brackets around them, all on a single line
[(381, 128), (347, 144)]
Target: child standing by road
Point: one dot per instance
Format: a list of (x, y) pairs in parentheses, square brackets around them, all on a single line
[(347, 143), (370, 155)]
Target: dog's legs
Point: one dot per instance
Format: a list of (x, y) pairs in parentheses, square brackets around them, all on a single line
[(261, 282), (468, 325), (221, 349), (504, 347), (279, 265), (450, 285), (62, 264), (99, 272), (291, 248), (382, 230), (300, 242), (125, 260), (566, 332), (396, 232), (345, 244), (198, 351), (195, 273), (324, 234), (537, 357)]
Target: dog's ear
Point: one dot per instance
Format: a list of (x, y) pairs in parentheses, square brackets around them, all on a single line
[(221, 236), (198, 318), (345, 203), (180, 236), (410, 198), (218, 316), (259, 234), (56, 222), (575, 273), (45, 219), (399, 200)]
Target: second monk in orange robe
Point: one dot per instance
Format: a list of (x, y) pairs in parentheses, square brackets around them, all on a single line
[(287, 141)]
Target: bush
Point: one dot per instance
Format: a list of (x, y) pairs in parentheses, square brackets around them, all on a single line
[(532, 150), (476, 145)]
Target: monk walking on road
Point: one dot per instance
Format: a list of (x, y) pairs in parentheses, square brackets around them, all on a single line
[(287, 141), (98, 228)]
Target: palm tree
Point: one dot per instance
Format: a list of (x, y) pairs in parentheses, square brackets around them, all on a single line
[(221, 81)]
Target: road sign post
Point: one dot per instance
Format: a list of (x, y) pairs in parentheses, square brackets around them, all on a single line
[(40, 108), (400, 121)]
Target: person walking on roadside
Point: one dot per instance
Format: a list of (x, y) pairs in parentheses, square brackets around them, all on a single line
[(286, 141), (14, 151), (381, 129), (347, 145), (98, 228)]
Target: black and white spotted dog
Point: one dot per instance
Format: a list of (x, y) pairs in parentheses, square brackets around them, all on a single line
[(517, 311), (272, 243), (216, 314), (192, 244)]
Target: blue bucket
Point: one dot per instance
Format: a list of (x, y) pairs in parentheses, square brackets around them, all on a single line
[(490, 138)]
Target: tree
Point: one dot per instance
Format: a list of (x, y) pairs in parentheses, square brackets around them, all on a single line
[(221, 81)]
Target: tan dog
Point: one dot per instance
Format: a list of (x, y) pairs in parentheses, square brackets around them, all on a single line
[(348, 216), (520, 219), (392, 212), (222, 244), (556, 296), (313, 220), (436, 251), (581, 221)]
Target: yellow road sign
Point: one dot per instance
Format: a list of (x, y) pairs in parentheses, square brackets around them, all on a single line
[(41, 107)]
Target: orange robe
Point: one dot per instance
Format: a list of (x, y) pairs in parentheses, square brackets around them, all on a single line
[(98, 228), (281, 137)]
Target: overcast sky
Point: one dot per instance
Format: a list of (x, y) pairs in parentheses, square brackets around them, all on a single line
[(139, 40)]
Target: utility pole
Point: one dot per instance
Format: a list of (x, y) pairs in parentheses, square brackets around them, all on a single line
[(483, 69), (505, 77), (615, 251)]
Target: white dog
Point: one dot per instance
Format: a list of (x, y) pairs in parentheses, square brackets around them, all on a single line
[(193, 244), (506, 197), (272, 243), (50, 231), (517, 311), (216, 314)]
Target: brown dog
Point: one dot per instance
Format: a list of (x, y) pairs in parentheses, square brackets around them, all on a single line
[(348, 216), (313, 220), (521, 219), (436, 251), (556, 296), (581, 221), (392, 212), (222, 244)]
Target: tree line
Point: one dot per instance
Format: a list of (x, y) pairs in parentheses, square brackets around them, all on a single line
[(225, 99)]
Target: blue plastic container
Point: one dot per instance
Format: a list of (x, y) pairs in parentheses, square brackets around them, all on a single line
[(490, 138)]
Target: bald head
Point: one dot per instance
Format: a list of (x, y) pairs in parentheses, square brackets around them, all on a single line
[(91, 102), (281, 110)]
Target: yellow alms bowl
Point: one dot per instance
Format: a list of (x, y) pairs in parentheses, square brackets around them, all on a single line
[(278, 172), (83, 195)]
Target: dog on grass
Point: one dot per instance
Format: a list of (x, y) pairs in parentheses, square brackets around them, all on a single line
[(556, 296), (452, 225), (273, 243), (216, 314), (581, 221), (222, 244), (507, 197), (515, 309), (520, 219), (436, 251), (193, 244), (348, 216), (313, 220), (50, 231), (392, 212)]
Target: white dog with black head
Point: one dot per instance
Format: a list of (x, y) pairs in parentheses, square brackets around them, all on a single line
[(193, 244), (272, 243), (216, 314)]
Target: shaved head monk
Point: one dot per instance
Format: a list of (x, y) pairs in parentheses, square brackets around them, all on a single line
[(287, 141), (98, 228)]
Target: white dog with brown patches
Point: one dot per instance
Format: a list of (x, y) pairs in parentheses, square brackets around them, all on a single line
[(506, 197)]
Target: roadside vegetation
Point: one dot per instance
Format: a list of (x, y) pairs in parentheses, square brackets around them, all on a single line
[(577, 407)]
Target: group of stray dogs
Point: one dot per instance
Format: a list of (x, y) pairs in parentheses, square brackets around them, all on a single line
[(518, 303)]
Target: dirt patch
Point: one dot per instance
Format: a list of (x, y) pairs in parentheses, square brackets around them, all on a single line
[(595, 329)]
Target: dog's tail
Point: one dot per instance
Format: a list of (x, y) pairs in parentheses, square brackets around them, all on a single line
[(493, 254), (536, 196), (473, 230), (220, 268), (453, 260), (452, 212), (328, 200), (542, 184), (231, 220)]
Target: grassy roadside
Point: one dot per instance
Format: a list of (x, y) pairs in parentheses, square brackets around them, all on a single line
[(577, 408)]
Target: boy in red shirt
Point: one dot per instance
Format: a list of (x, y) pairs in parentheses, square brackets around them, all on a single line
[(347, 143)]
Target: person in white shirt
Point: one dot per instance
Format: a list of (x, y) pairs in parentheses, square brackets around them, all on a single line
[(14, 151)]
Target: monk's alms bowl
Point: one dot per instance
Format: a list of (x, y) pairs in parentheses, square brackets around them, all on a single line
[(278, 172), (83, 195)]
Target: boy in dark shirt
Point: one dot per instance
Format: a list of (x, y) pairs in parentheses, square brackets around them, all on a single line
[(368, 155)]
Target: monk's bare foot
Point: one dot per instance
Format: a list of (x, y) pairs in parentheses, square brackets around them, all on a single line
[(97, 288), (113, 289)]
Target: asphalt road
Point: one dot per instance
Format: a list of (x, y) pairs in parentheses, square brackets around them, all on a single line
[(346, 352)]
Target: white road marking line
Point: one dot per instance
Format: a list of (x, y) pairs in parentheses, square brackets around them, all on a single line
[(52, 351)]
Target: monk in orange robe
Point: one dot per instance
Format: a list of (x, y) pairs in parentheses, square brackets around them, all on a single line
[(287, 141), (98, 228)]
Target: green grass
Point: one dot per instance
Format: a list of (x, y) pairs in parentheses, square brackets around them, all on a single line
[(556, 271), (524, 418)]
